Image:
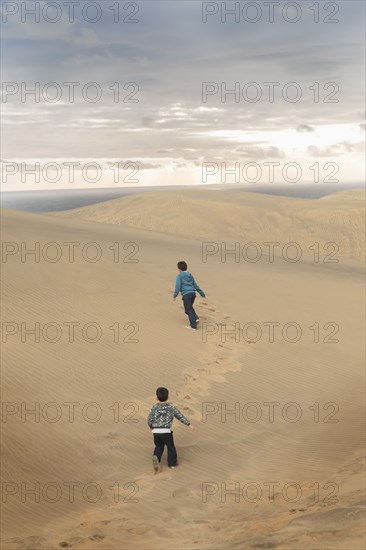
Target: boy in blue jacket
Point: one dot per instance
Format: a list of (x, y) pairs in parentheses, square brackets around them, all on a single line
[(187, 286)]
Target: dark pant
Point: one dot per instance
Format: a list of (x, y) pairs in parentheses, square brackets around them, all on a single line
[(188, 300), (160, 440)]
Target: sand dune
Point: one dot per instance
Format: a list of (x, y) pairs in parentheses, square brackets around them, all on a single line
[(249, 478), (351, 195), (233, 215)]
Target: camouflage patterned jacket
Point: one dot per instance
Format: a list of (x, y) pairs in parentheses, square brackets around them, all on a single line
[(162, 416)]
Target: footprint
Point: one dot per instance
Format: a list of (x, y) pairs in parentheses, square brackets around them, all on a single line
[(200, 521), (139, 530), (225, 347), (180, 394), (97, 536), (182, 492), (221, 360), (30, 543), (70, 543)]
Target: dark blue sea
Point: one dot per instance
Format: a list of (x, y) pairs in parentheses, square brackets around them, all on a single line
[(66, 199)]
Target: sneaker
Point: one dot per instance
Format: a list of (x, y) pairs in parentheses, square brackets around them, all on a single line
[(155, 462), (197, 320), (188, 326), (173, 467)]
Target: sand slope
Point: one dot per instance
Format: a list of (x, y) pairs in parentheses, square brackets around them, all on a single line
[(232, 215), (321, 452), (351, 195)]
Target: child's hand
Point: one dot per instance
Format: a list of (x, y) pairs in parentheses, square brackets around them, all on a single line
[(191, 427)]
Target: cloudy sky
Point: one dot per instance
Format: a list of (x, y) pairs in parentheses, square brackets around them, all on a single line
[(155, 121)]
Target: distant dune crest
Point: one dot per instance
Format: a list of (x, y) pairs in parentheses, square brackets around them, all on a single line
[(248, 217), (353, 194)]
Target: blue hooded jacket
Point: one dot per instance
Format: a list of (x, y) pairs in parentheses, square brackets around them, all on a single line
[(185, 284)]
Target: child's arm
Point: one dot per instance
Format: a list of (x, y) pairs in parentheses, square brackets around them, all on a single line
[(199, 290), (179, 416), (178, 286), (150, 419)]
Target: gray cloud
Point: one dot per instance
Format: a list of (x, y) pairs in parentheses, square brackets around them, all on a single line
[(169, 54), (304, 128), (259, 153), (336, 149)]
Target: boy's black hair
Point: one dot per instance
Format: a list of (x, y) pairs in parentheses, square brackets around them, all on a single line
[(162, 394), (182, 266)]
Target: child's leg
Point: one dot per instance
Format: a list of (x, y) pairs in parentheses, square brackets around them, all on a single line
[(159, 446), (194, 311), (188, 300), (172, 452)]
